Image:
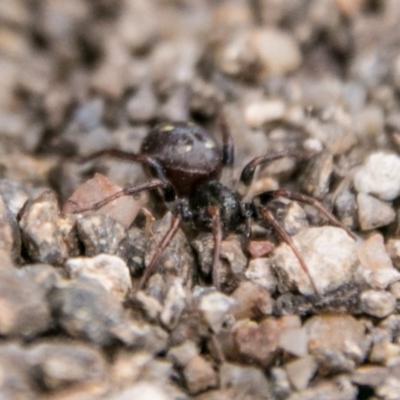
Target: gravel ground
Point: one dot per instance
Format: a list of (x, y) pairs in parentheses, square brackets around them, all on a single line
[(318, 76)]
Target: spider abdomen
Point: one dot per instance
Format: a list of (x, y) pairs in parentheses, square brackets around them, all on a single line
[(188, 155)]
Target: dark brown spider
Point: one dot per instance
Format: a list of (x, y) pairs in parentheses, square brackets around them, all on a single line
[(186, 163)]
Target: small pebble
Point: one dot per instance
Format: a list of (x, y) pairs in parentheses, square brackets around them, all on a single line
[(295, 219), (373, 213), (24, 311), (41, 232), (261, 112), (182, 354), (150, 306), (216, 308), (369, 375), (329, 253), (141, 107), (334, 130), (377, 303), (85, 309), (16, 372), (280, 382), (10, 237), (394, 289), (176, 262), (252, 301), (199, 375), (257, 53), (257, 343), (376, 268), (338, 342), (174, 304), (260, 272), (110, 271), (62, 364), (260, 248), (230, 272), (379, 176), (294, 341), (248, 381), (101, 233), (301, 371), (338, 389), (315, 177), (393, 250), (142, 391)]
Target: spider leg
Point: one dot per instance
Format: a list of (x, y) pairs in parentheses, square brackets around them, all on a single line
[(169, 235), (154, 184), (161, 183), (247, 175), (228, 148), (154, 166), (288, 240), (267, 196), (217, 234)]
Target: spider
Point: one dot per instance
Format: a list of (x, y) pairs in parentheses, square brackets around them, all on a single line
[(185, 163)]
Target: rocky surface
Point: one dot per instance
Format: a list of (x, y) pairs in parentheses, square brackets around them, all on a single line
[(77, 318)]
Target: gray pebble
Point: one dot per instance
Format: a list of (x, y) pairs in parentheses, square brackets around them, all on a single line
[(17, 381), (41, 231), (369, 375), (62, 364), (101, 234), (142, 105), (176, 261), (44, 275), (84, 309), (10, 237), (23, 308), (338, 389), (315, 178)]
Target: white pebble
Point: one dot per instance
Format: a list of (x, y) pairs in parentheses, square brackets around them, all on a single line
[(379, 176), (258, 113), (377, 303), (110, 271), (215, 307), (329, 253)]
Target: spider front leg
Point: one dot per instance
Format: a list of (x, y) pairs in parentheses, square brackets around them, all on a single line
[(248, 172), (260, 203), (217, 235), (169, 195), (268, 216), (266, 197)]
